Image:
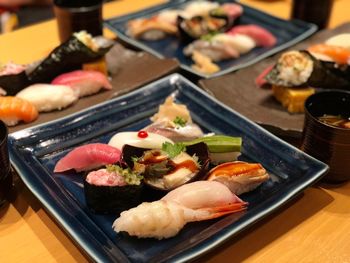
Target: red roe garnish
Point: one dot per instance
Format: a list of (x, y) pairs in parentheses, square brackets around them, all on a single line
[(142, 134)]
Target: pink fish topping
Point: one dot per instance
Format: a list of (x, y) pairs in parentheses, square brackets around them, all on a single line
[(88, 157), (84, 82), (104, 178), (261, 36)]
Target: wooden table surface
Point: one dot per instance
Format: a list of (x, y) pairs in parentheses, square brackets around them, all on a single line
[(313, 228)]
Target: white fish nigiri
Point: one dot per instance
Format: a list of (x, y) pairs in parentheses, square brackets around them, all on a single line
[(46, 97), (83, 82), (88, 157), (165, 218), (239, 42), (140, 139)]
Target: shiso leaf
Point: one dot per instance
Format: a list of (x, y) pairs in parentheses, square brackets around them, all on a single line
[(130, 177), (173, 149), (178, 121)]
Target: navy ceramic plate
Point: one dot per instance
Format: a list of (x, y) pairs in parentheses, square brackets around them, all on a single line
[(287, 33), (35, 151)]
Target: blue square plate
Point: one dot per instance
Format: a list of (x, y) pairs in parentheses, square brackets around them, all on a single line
[(287, 33), (35, 151)]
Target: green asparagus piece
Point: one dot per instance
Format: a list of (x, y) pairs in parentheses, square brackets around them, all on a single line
[(219, 143)]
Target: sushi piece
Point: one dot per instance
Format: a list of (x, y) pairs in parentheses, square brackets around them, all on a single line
[(150, 28), (242, 43), (170, 167), (170, 16), (239, 177), (174, 121), (260, 35), (231, 12), (339, 55), (200, 8), (46, 97), (79, 49), (88, 157), (112, 190), (301, 69), (140, 139), (221, 148), (214, 50), (13, 78), (341, 40), (13, 110), (83, 82), (166, 217)]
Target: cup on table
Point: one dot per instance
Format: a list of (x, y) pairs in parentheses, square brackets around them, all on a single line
[(76, 15), (326, 133), (5, 167), (313, 11)]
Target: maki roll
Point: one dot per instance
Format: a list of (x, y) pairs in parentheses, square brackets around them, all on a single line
[(13, 79), (112, 189), (79, 49), (301, 69), (170, 167)]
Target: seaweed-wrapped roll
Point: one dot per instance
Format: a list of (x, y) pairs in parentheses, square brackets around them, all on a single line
[(79, 49), (13, 78), (112, 189)]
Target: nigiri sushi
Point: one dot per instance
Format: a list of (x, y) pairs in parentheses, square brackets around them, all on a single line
[(88, 157), (198, 8), (83, 82), (140, 139), (166, 217), (46, 97), (339, 55), (261, 36), (341, 40), (239, 177), (13, 110)]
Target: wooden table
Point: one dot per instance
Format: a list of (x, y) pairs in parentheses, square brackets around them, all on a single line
[(313, 228)]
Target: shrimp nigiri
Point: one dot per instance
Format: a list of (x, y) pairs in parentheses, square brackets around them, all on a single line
[(13, 110), (166, 217), (83, 82), (88, 157)]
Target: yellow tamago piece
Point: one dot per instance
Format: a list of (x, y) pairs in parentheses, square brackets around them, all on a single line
[(291, 98)]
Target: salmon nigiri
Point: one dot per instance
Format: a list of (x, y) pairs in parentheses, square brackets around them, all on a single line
[(13, 110), (83, 82), (88, 157), (339, 55)]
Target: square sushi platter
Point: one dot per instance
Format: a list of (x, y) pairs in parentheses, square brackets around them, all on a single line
[(286, 34), (35, 151)]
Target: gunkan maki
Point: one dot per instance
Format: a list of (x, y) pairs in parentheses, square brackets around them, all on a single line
[(112, 189)]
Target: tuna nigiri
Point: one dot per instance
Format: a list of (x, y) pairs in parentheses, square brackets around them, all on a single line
[(88, 157), (261, 36), (46, 97), (13, 110), (83, 82)]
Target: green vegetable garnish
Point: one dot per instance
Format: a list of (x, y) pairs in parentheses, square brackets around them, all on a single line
[(219, 143), (178, 121), (135, 159), (209, 36), (129, 176), (173, 149)]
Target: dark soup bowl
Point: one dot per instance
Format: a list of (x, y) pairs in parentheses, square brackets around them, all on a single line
[(326, 133)]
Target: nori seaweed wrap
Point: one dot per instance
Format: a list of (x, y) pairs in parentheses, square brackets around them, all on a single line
[(118, 191), (13, 82), (301, 69), (80, 48)]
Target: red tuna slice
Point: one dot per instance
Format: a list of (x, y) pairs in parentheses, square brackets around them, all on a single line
[(88, 157), (84, 82), (261, 36)]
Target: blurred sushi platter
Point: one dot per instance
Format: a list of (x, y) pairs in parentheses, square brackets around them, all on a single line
[(168, 171)]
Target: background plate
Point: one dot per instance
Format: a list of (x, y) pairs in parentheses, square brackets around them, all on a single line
[(258, 104), (35, 151), (287, 33)]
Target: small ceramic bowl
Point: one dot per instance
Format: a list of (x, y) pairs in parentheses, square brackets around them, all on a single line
[(328, 143)]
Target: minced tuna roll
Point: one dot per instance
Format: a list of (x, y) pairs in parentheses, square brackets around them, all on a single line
[(112, 189)]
